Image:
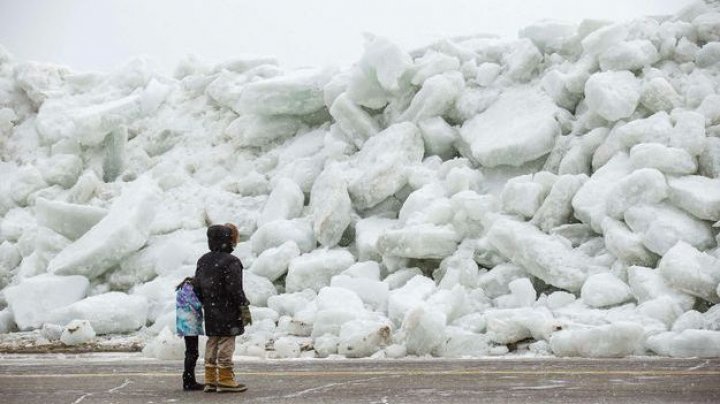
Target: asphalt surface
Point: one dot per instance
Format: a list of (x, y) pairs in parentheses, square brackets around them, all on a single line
[(128, 378)]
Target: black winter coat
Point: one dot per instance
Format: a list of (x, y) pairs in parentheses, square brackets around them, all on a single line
[(219, 285)]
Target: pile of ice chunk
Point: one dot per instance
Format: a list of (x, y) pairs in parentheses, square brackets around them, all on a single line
[(557, 194)]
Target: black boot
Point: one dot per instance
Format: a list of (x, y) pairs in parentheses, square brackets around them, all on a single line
[(191, 357), (189, 382)]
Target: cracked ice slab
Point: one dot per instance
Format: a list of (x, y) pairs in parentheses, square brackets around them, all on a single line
[(124, 230), (502, 136), (546, 257)]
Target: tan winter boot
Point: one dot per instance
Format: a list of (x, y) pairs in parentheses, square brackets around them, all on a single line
[(211, 378), (226, 381)]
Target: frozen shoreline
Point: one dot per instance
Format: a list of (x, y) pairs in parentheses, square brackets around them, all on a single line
[(558, 193)]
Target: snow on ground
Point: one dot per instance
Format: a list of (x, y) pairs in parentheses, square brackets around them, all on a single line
[(555, 194)]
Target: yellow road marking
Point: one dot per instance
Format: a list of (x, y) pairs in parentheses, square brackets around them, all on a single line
[(399, 373)]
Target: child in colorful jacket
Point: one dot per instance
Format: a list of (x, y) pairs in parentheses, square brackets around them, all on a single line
[(188, 321)]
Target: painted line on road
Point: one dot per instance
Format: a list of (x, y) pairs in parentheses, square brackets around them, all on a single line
[(396, 373)]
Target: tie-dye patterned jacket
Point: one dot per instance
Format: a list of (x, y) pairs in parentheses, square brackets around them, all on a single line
[(188, 312)]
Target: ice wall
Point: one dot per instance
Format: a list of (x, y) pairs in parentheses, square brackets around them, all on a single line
[(557, 193)]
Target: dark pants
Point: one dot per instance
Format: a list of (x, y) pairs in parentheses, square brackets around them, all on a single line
[(191, 357)]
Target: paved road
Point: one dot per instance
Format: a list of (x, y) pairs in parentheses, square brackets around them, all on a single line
[(127, 378)]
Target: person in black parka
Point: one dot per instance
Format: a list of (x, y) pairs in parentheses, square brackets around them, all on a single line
[(219, 286)]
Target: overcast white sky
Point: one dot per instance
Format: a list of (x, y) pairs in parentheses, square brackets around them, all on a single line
[(102, 34)]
